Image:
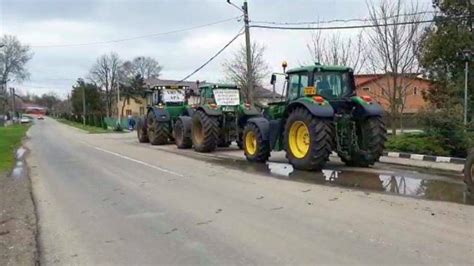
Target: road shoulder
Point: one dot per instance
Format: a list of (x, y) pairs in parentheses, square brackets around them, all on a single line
[(18, 221)]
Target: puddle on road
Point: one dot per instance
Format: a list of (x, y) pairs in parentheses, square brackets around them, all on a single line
[(439, 189), (20, 153), (418, 184), (19, 171)]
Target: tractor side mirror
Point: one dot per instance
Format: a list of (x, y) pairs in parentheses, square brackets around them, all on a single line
[(273, 79)]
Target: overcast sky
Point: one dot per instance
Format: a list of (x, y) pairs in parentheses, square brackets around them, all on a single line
[(45, 23)]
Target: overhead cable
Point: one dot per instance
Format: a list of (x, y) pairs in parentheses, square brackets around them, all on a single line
[(356, 26), (213, 57), (341, 20)]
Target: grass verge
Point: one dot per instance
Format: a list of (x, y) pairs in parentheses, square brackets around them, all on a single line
[(10, 140), (416, 143), (89, 129)]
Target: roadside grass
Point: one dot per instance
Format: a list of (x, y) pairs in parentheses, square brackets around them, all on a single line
[(89, 129), (10, 140)]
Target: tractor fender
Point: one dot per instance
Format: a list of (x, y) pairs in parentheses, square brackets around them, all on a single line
[(364, 109), (252, 111), (320, 110), (160, 113), (209, 111), (187, 124), (263, 125)]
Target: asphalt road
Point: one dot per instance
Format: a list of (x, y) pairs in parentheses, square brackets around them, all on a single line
[(105, 199)]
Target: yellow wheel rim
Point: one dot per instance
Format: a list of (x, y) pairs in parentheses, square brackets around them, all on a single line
[(298, 139), (251, 143)]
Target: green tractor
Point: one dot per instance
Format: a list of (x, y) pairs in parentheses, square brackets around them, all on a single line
[(165, 105), (320, 112), (218, 120)]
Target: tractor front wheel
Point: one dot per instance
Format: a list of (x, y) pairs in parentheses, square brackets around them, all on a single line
[(158, 132), (256, 149), (308, 140), (371, 135), (205, 132), (141, 131), (182, 134)]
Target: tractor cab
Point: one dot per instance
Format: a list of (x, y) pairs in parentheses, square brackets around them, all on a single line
[(167, 95), (333, 83)]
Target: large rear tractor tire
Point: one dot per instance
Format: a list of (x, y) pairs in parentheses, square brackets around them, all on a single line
[(255, 148), (372, 134), (308, 140), (182, 134), (204, 132), (142, 131), (158, 132)]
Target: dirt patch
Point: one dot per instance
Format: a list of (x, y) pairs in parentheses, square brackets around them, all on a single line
[(18, 227)]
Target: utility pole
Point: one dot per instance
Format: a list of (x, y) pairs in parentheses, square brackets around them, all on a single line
[(249, 53), (83, 105), (250, 82), (466, 78), (466, 56), (119, 114), (12, 92)]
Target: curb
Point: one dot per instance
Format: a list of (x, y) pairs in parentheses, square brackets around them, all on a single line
[(428, 158)]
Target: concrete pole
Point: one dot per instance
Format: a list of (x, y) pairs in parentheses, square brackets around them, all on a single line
[(466, 78), (12, 92), (119, 114), (249, 54), (84, 105)]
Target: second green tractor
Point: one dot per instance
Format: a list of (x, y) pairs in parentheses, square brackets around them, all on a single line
[(218, 119)]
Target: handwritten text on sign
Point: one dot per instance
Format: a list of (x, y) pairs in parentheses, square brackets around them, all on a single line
[(173, 96), (226, 97)]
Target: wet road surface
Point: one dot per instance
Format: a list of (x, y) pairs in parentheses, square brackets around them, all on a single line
[(105, 199)]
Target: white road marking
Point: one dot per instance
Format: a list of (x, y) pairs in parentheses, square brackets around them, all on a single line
[(136, 161)]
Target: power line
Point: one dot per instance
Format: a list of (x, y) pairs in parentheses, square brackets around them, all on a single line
[(138, 37), (213, 57), (355, 26), (342, 20)]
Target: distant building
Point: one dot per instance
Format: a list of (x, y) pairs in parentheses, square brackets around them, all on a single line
[(374, 85), (29, 108)]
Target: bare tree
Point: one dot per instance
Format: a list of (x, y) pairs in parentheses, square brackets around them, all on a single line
[(393, 51), (13, 59), (235, 69), (146, 67), (105, 73), (335, 50)]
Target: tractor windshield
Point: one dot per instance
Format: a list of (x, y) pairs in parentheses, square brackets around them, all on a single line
[(333, 85)]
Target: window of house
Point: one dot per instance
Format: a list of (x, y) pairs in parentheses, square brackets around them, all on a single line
[(142, 110), (415, 91), (128, 101), (128, 112), (366, 89)]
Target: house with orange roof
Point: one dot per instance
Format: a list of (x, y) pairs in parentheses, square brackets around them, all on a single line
[(378, 86)]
